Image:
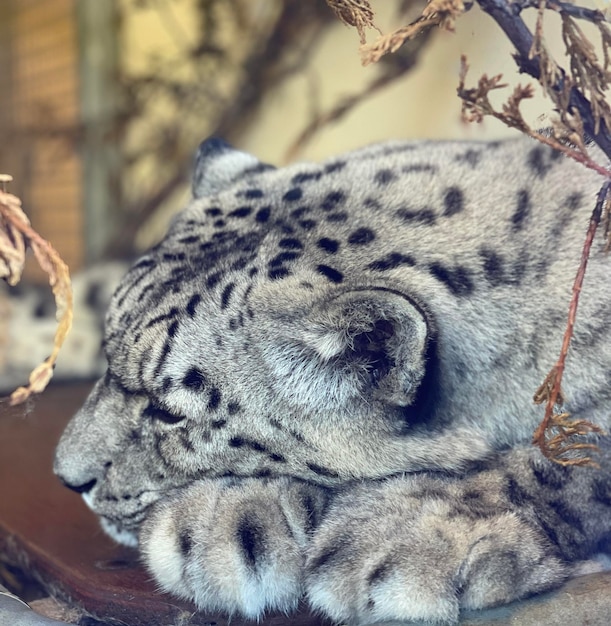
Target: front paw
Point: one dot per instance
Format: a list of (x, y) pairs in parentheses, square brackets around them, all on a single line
[(235, 546), (422, 548)]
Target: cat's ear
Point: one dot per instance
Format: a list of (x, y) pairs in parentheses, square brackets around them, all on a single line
[(218, 164), (370, 343)]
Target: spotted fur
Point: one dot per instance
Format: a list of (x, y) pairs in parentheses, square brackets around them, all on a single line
[(320, 384)]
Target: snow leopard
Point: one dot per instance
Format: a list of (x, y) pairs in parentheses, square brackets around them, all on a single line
[(320, 384)]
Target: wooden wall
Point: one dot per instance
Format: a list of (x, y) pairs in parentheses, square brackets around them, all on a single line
[(39, 118)]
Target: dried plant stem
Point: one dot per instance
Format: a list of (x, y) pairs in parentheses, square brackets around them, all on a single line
[(14, 221), (556, 447)]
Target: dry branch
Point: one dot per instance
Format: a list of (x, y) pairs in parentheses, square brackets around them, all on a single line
[(561, 443), (442, 13), (16, 234)]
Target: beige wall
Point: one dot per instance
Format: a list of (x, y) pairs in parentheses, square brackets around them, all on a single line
[(423, 104)]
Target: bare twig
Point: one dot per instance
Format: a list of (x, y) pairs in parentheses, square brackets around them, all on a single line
[(561, 444), (15, 234)]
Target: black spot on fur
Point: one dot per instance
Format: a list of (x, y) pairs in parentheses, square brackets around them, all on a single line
[(574, 201), (278, 273), (220, 224), (170, 315), (328, 245), (213, 280), (218, 424), (331, 273), (299, 212), (418, 168), (226, 295), (298, 179), (174, 256), (251, 538), (214, 399), (290, 243), (338, 166), (333, 200), (253, 193), (541, 160), (424, 215), (241, 212), (214, 212), (472, 157), (236, 442), (192, 304), (391, 261), (281, 258), (233, 408), (185, 541), (522, 211), (494, 266), (194, 379), (189, 239), (453, 201), (293, 194), (307, 224), (240, 263), (457, 279), (173, 329), (340, 216), (277, 458), (144, 263), (384, 177), (322, 471), (263, 214), (361, 237)]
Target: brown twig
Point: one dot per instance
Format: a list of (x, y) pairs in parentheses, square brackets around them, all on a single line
[(558, 446), (17, 233)]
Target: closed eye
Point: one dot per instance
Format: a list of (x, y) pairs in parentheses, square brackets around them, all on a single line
[(157, 413)]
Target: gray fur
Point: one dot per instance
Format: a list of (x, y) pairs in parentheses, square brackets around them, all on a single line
[(320, 383)]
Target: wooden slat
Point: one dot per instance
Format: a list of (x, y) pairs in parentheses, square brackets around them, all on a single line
[(44, 98)]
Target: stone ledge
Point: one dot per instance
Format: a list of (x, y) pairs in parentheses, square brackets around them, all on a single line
[(585, 600)]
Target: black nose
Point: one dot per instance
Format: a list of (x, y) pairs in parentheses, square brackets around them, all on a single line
[(84, 488)]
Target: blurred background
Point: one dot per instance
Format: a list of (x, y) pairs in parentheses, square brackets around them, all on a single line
[(103, 102)]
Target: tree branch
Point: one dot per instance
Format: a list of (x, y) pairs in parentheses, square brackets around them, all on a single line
[(507, 16)]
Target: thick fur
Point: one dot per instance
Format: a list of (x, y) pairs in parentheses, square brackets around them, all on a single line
[(320, 384)]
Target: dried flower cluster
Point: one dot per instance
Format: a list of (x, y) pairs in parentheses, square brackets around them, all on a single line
[(16, 235)]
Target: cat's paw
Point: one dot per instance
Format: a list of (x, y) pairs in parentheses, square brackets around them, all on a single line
[(422, 548), (235, 546)]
